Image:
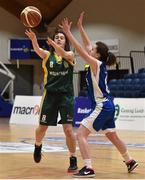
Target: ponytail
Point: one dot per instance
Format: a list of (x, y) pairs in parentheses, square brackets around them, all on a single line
[(111, 59)]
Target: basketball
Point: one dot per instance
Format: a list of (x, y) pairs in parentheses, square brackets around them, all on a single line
[(31, 16)]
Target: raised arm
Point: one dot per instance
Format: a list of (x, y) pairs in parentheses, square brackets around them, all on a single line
[(67, 55), (85, 39), (41, 52), (66, 25)]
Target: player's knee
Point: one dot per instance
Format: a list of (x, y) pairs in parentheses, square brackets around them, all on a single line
[(79, 135), (68, 132), (111, 136)]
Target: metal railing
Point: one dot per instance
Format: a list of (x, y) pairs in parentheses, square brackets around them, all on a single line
[(138, 60), (125, 62), (10, 84), (133, 62)]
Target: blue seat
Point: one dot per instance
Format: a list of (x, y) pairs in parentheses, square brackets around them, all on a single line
[(142, 70), (126, 76), (128, 87), (142, 95), (137, 87), (119, 93), (142, 81), (130, 76), (132, 94), (120, 81), (133, 76), (141, 75), (120, 87), (113, 87), (112, 81), (142, 87), (128, 81), (136, 81)]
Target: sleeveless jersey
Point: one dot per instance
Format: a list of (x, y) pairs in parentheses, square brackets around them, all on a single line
[(58, 74), (97, 84)]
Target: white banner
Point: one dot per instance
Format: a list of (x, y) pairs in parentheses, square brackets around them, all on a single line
[(26, 110), (130, 113)]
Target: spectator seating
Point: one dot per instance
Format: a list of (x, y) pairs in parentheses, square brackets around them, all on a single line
[(131, 86), (142, 70)]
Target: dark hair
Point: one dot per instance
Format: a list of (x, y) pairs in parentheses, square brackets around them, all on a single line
[(67, 44), (105, 56)]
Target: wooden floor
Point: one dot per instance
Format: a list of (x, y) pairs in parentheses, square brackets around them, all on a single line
[(16, 150)]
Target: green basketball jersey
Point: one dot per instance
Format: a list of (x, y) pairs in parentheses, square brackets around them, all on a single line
[(58, 74)]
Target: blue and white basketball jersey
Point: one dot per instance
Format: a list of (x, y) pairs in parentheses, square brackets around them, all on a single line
[(97, 85), (102, 115)]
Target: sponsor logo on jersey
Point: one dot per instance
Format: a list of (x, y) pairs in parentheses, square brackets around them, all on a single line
[(60, 73)]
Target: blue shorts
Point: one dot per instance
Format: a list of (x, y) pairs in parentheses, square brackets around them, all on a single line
[(101, 118)]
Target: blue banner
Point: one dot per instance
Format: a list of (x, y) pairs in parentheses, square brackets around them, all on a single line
[(22, 49), (5, 108), (82, 106)]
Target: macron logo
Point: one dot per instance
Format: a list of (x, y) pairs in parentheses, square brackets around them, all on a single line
[(83, 111)]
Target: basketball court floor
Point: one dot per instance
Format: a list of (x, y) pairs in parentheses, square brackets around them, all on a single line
[(16, 154)]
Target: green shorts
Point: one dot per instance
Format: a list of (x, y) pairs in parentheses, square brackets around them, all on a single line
[(53, 104)]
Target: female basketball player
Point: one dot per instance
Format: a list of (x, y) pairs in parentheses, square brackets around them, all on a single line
[(101, 118), (58, 92)]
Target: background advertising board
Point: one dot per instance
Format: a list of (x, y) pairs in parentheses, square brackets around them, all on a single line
[(82, 106), (26, 110), (130, 113)]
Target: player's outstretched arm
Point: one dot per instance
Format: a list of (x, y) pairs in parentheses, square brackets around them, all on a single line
[(85, 39), (32, 36), (66, 25)]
